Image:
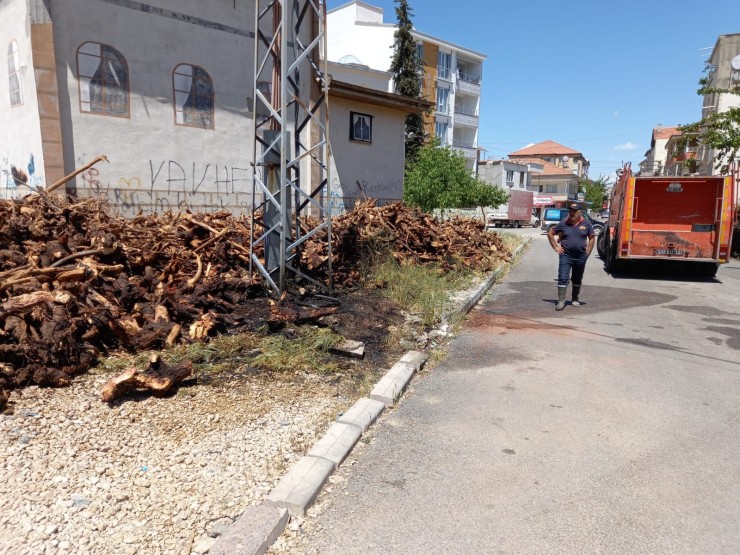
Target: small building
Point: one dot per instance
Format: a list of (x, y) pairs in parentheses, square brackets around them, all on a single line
[(557, 155), (657, 156), (367, 135)]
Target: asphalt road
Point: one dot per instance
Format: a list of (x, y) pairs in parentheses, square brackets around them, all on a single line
[(613, 427)]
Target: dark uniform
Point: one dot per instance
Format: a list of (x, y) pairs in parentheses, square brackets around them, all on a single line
[(574, 240)]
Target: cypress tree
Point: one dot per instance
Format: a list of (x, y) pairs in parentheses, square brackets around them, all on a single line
[(406, 78)]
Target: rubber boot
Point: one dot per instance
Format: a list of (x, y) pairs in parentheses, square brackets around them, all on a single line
[(561, 297), (576, 292)]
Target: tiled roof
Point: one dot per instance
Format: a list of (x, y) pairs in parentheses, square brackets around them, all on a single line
[(545, 147), (550, 169), (665, 132)]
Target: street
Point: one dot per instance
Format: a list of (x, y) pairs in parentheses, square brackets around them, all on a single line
[(613, 427)]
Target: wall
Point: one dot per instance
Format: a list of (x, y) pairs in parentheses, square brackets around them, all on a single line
[(377, 166), (370, 42), (372, 79), (155, 164), (21, 155)]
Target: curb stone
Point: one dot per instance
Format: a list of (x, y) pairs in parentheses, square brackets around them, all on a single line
[(298, 489)]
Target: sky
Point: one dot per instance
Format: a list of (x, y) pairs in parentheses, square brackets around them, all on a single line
[(592, 75)]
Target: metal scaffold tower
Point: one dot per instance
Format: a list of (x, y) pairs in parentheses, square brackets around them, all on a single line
[(291, 137)]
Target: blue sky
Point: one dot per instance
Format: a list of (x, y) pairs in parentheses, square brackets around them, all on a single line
[(595, 76)]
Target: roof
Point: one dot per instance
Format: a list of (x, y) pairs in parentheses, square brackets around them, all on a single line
[(350, 91), (549, 168), (545, 147), (665, 132)]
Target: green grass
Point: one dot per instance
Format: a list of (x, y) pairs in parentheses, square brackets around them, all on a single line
[(419, 289), (306, 351)]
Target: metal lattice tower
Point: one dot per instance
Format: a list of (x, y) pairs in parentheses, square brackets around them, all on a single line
[(291, 136)]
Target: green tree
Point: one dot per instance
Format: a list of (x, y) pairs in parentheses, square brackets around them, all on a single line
[(406, 79), (595, 190), (439, 179), (717, 130)]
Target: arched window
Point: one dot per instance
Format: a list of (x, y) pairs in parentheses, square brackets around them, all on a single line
[(14, 77), (193, 94), (103, 77)]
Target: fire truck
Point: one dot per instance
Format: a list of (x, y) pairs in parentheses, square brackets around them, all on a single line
[(682, 219)]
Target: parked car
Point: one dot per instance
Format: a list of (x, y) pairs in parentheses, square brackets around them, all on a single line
[(553, 215)]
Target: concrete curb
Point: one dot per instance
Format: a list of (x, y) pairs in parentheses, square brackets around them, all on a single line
[(298, 489)]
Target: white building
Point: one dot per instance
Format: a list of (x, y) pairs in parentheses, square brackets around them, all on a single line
[(725, 74), (163, 89), (451, 74), (367, 126)]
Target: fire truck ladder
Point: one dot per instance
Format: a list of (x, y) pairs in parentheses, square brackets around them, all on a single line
[(291, 152)]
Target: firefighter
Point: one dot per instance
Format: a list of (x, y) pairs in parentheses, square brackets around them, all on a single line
[(573, 239)]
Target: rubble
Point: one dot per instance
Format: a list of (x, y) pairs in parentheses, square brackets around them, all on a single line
[(78, 281)]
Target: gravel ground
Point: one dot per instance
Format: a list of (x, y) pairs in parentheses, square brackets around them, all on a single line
[(149, 475)]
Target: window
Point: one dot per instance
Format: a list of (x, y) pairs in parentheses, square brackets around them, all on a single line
[(103, 80), (440, 131), (551, 188), (444, 63), (360, 127), (521, 178), (14, 77), (193, 94), (443, 97), (509, 175)]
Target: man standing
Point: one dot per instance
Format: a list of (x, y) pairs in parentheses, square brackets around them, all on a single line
[(574, 243)]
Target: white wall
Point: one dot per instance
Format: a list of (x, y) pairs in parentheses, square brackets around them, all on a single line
[(20, 140), (155, 164), (371, 79), (378, 166), (370, 42)]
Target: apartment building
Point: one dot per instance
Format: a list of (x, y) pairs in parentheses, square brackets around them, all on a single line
[(657, 156), (556, 154), (725, 74), (451, 74)]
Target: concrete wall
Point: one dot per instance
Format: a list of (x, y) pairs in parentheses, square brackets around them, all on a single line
[(21, 153), (155, 164), (370, 42), (378, 166), (372, 79)]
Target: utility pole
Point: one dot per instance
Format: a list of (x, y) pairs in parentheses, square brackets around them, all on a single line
[(291, 150)]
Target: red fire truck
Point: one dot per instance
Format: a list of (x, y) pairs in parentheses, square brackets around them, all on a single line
[(680, 219)]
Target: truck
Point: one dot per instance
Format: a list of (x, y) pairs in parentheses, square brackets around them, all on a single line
[(515, 213), (684, 220)]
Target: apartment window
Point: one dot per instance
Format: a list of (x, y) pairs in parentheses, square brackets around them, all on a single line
[(510, 175), (440, 131), (521, 178), (444, 64), (193, 93), (360, 127), (443, 98), (103, 80), (420, 53), (551, 188), (14, 77)]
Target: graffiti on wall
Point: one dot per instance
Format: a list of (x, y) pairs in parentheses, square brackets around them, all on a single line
[(16, 179), (344, 195), (173, 185)]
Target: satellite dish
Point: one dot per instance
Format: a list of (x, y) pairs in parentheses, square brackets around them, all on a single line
[(565, 158)]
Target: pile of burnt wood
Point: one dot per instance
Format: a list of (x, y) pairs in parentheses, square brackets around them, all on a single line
[(77, 280)]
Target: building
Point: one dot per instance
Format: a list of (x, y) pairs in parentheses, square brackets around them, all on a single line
[(510, 174), (657, 156), (681, 159), (554, 185), (724, 62), (366, 131), (147, 85), (169, 105), (451, 74), (555, 154)]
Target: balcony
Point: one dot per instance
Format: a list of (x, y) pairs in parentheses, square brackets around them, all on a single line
[(467, 87), (467, 117), (444, 73), (468, 78), (467, 148)]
